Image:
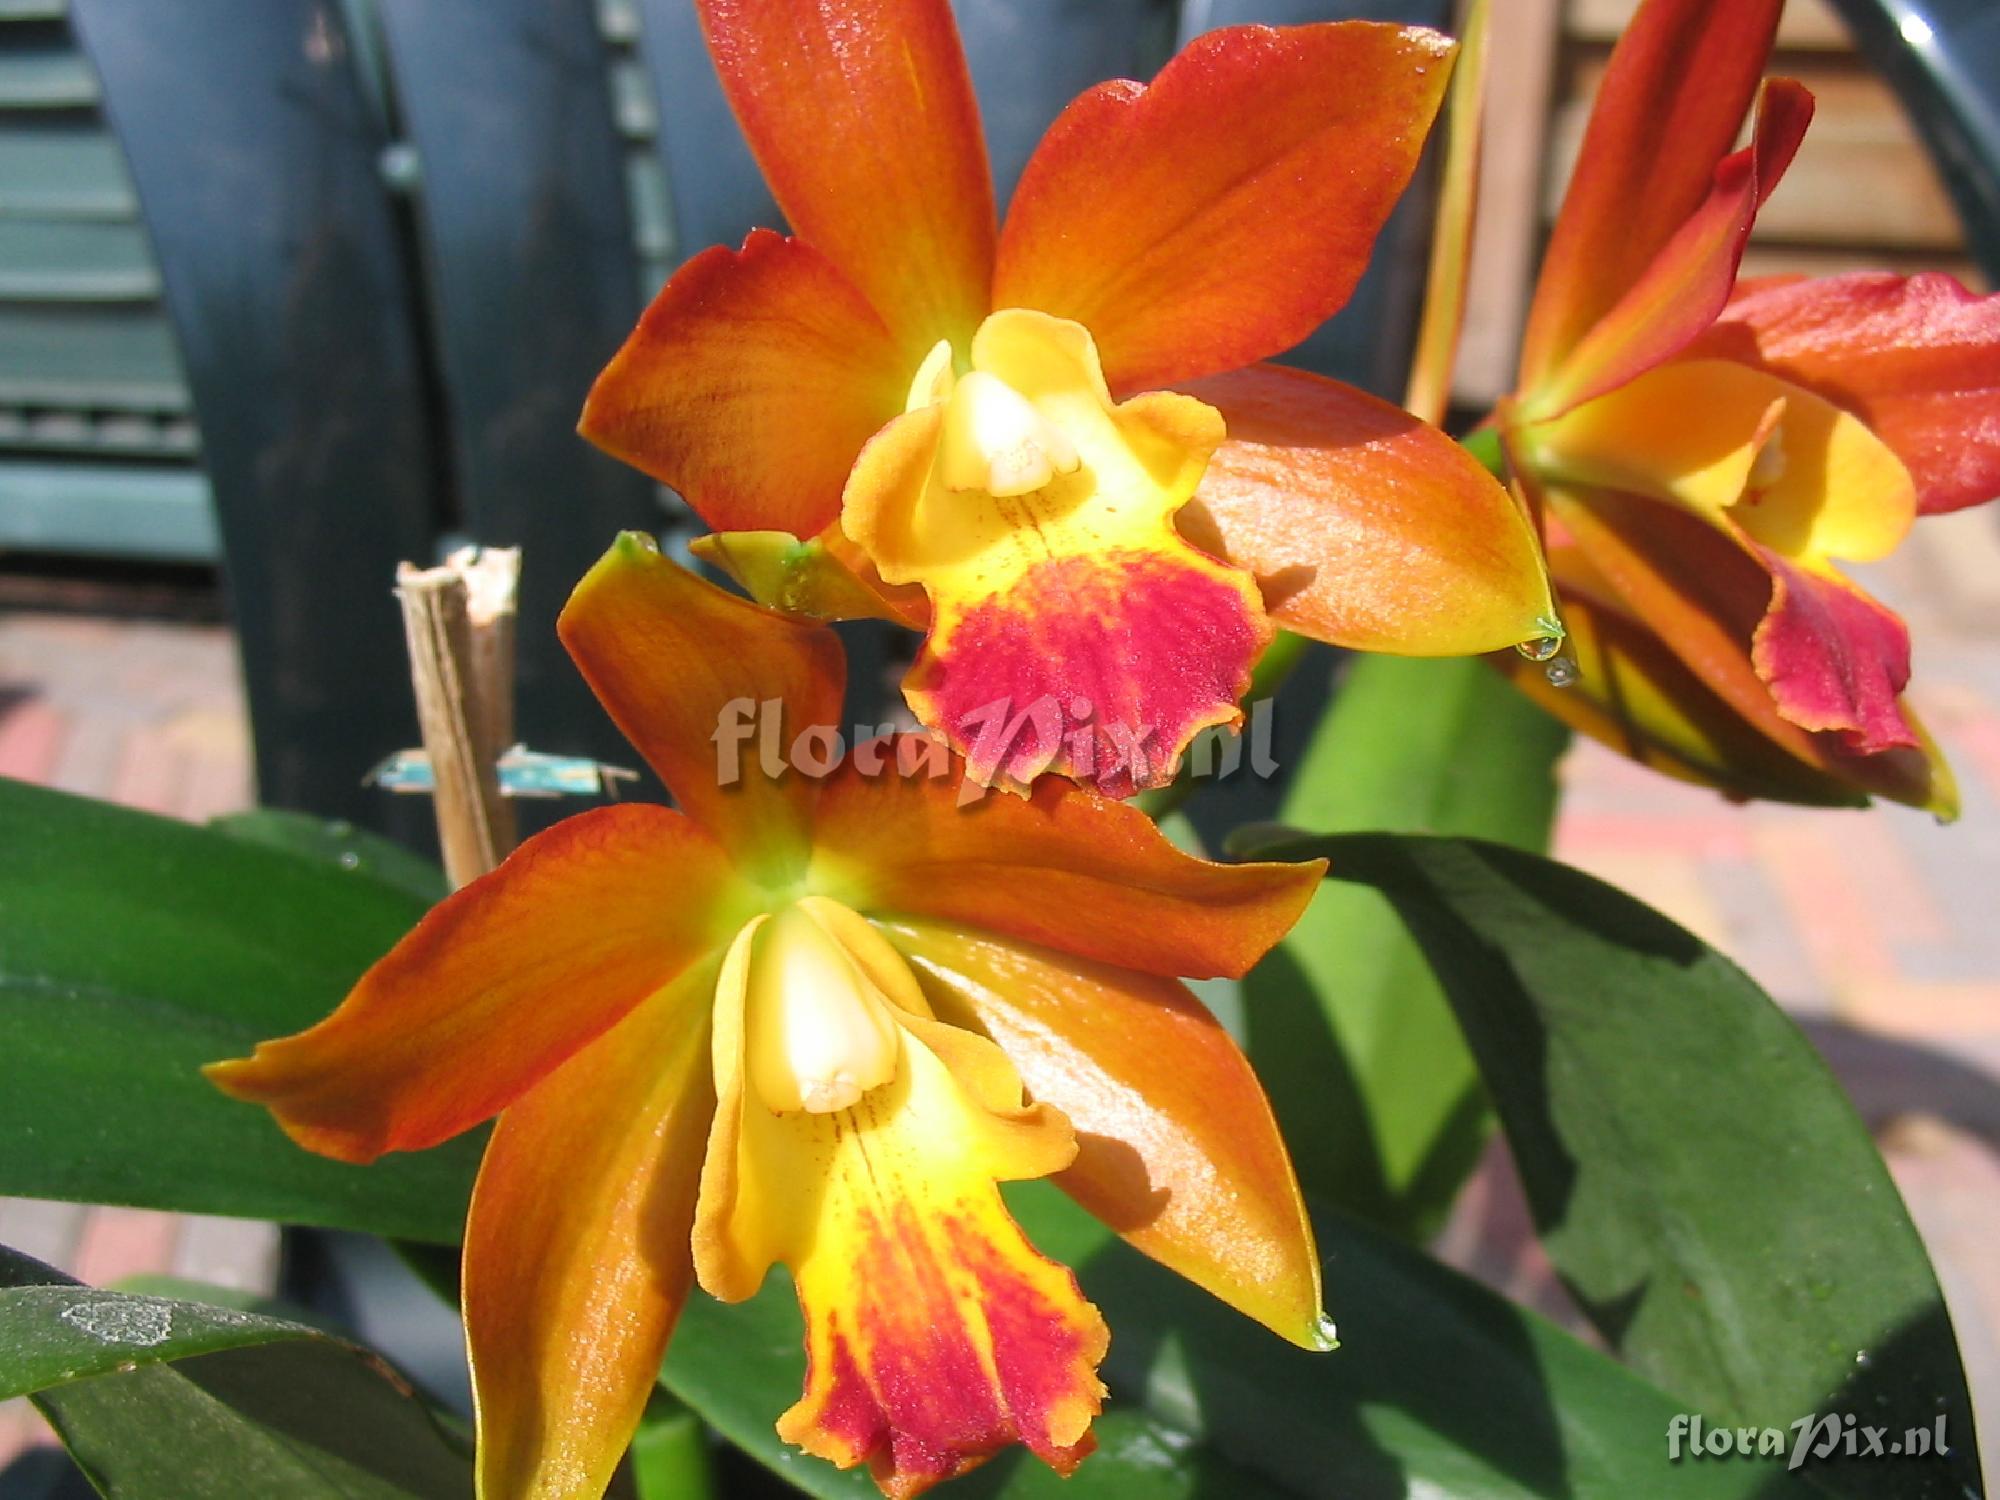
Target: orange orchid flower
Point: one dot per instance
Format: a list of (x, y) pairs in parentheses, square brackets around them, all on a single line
[(801, 1020), (1050, 444), (1707, 452)]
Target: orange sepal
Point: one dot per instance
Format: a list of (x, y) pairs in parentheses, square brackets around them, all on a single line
[(1218, 216), (749, 385), (862, 117), (1177, 1149), (1916, 357), (685, 670), (499, 984), (1688, 283), (576, 1247), (893, 836), (1365, 527), (1678, 85)]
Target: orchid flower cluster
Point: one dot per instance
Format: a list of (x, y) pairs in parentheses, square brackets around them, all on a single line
[(817, 1022)]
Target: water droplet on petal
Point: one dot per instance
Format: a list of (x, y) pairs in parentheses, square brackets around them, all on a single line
[(1562, 672), (1541, 648), (1325, 1335)]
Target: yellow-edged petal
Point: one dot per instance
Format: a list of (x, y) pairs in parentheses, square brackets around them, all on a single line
[(1177, 1148), (1728, 442)]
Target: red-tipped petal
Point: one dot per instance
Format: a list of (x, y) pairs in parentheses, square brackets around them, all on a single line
[(576, 1248), (1064, 868), (1633, 693), (1218, 216), (1916, 357), (1365, 527), (1176, 1146), (1688, 283), (501, 983), (1836, 659), (861, 115), (750, 385), (1676, 90), (711, 689)]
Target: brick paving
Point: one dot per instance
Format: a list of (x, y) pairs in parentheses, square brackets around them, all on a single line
[(1877, 929)]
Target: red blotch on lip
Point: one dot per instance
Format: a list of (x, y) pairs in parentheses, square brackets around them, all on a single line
[(1835, 659), (1101, 668), (909, 1391)]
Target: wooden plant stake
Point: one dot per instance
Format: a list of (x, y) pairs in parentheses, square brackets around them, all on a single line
[(459, 622)]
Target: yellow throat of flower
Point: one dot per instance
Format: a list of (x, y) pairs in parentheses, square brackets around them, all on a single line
[(820, 1031)]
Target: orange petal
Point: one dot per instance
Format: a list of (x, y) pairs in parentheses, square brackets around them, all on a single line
[(1917, 357), (1176, 1146), (708, 687), (1365, 527), (1217, 217), (1688, 283), (1675, 92), (738, 348), (1072, 629), (1064, 868), (499, 984), (861, 115), (576, 1249), (935, 1334)]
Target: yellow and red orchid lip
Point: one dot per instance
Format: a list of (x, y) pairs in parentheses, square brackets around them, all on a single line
[(1179, 252), (1071, 626), (710, 1049)]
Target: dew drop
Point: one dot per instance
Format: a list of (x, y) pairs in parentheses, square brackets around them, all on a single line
[(349, 860), (1541, 648), (1325, 1335), (1863, 1359), (1562, 672)]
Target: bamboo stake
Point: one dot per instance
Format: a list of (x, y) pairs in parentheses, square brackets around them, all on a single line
[(459, 622)]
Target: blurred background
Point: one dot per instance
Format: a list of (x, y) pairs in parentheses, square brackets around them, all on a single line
[(292, 291)]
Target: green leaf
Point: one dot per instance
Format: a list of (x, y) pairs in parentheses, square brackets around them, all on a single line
[(1371, 1081), (1440, 1387), (133, 949), (1698, 1176), (340, 844), (168, 1399)]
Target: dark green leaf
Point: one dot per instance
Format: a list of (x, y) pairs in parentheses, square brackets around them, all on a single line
[(1697, 1174), (1440, 1388), (133, 949), (1371, 1081), (340, 844), (165, 1399)]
